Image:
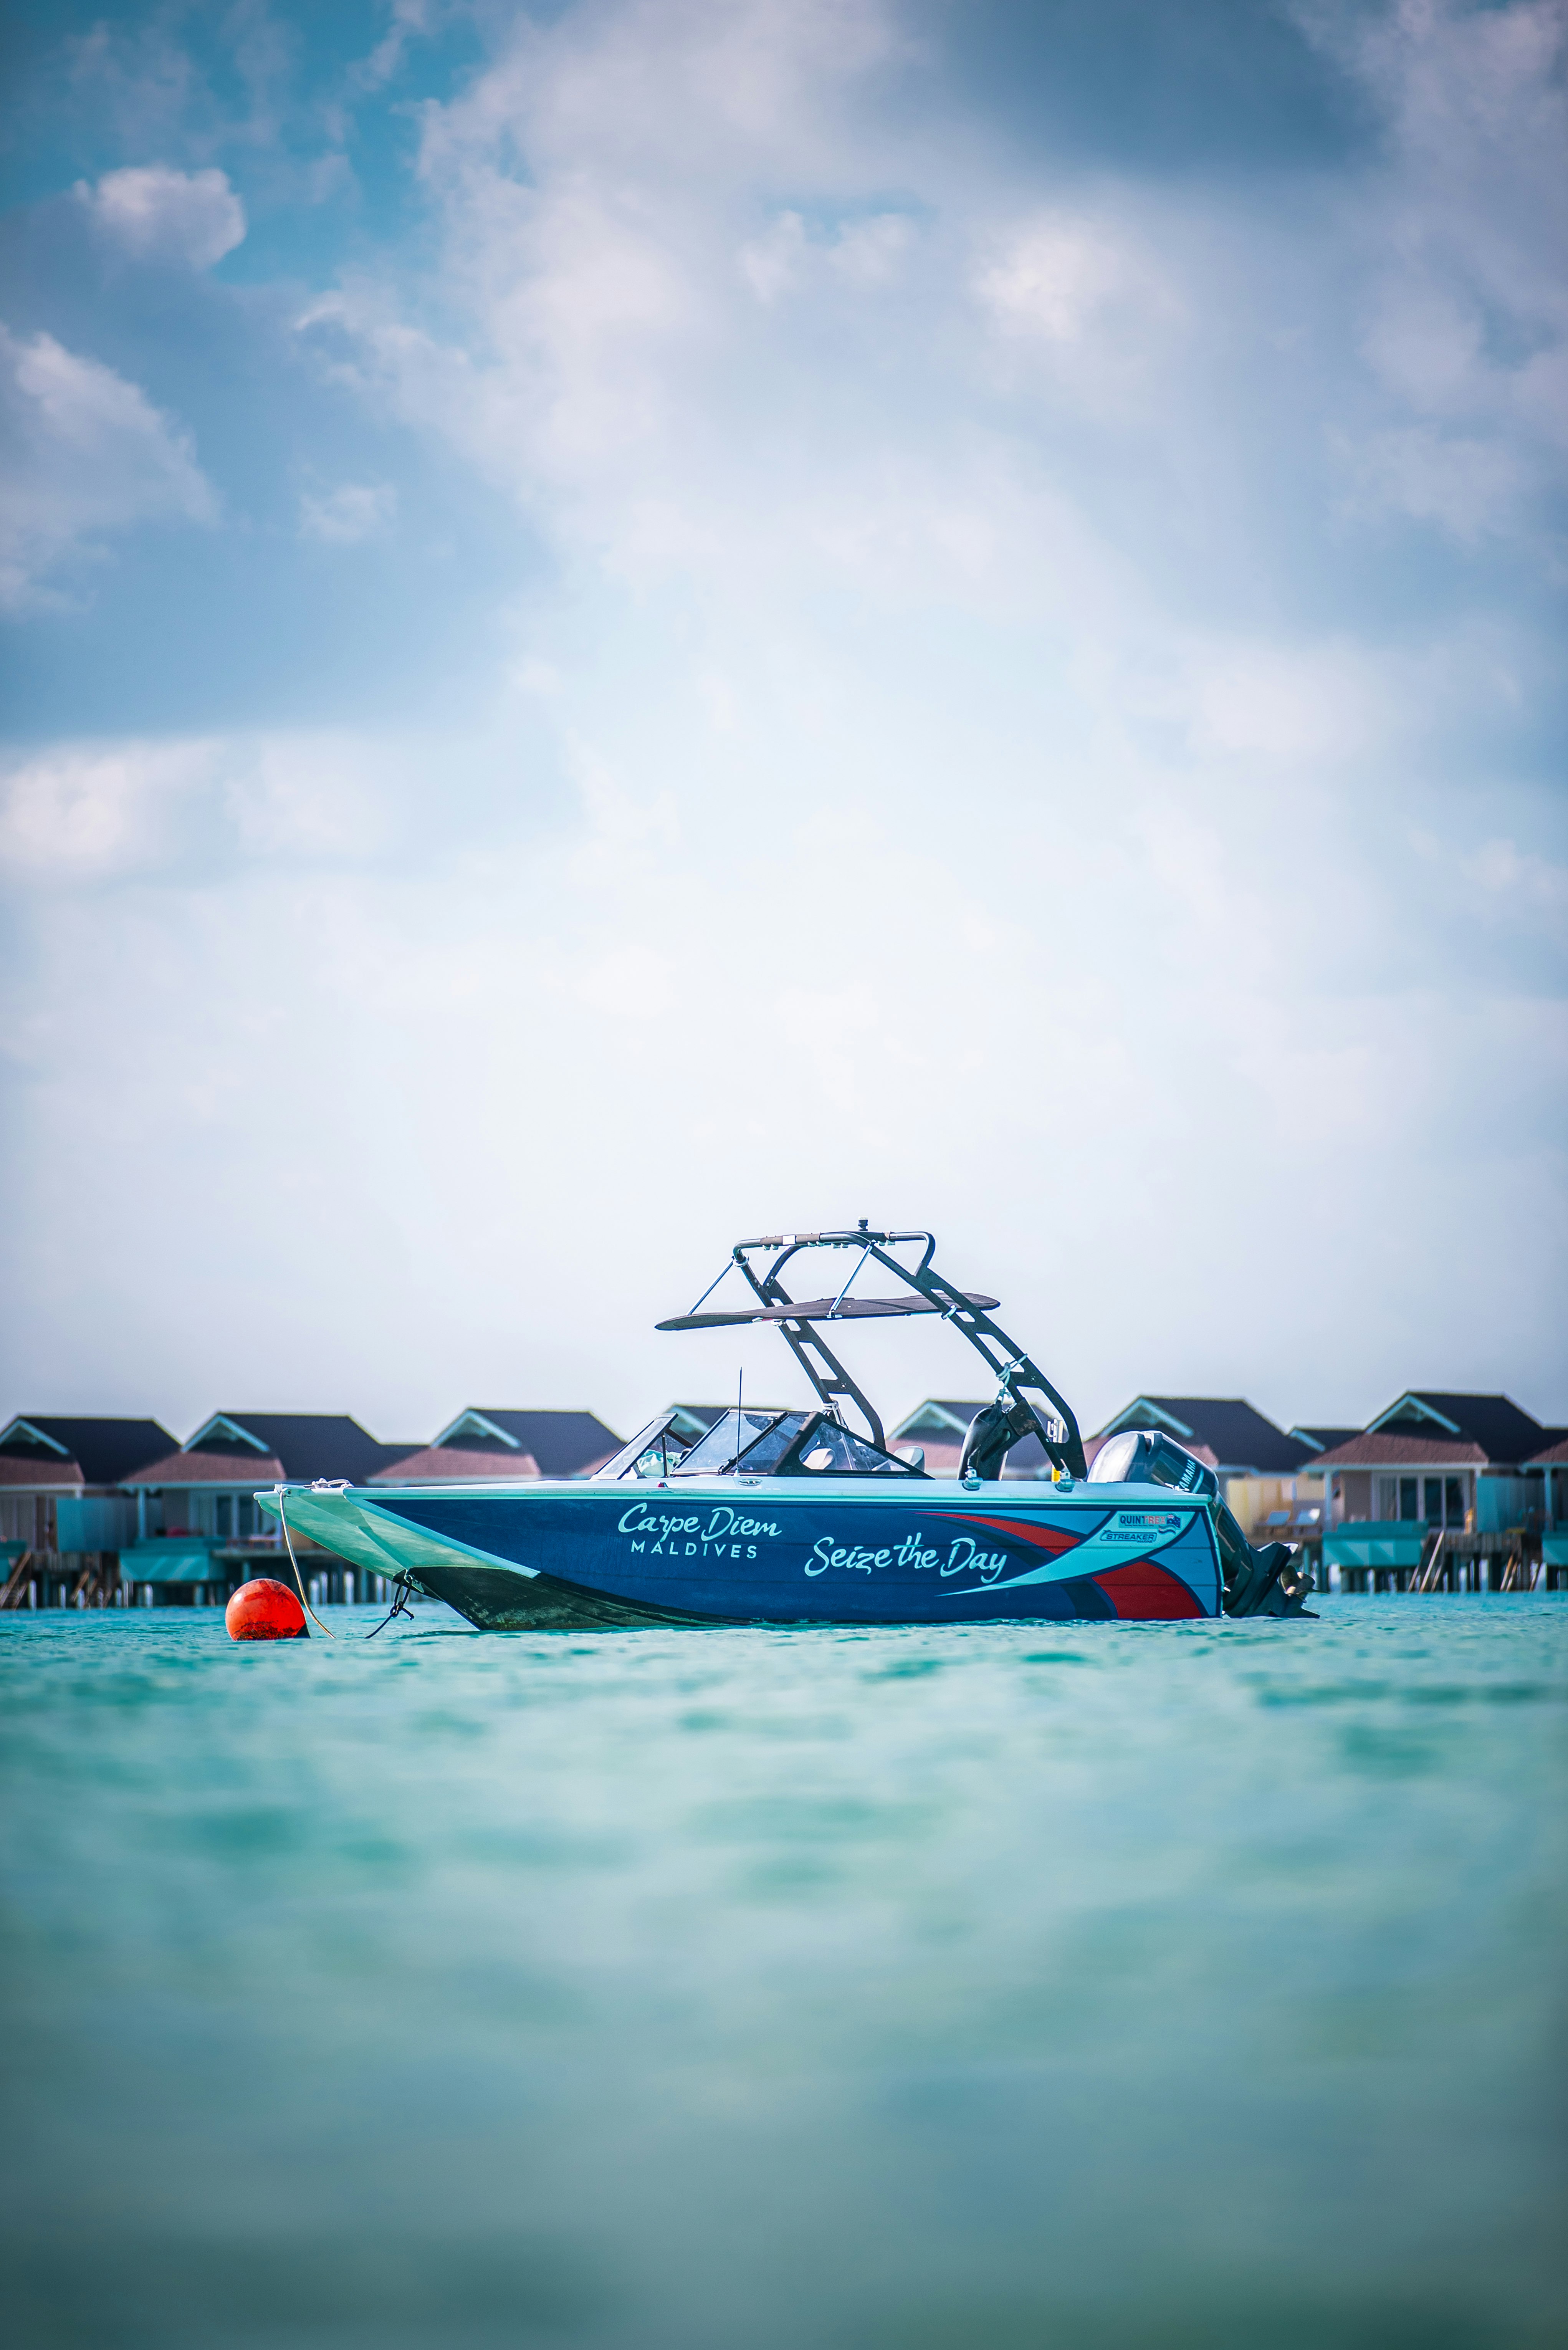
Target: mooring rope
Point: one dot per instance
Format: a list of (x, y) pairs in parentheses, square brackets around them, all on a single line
[(399, 1606)]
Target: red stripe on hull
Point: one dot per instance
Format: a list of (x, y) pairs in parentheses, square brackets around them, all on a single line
[(1143, 1592), (1056, 1539)]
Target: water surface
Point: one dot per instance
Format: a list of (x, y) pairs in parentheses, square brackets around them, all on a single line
[(1003, 1986)]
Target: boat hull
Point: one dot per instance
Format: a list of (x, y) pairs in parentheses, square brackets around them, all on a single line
[(574, 1557)]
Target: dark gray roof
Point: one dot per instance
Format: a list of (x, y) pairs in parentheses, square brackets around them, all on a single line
[(562, 1442), (307, 1443), (1505, 1433), (707, 1413), (961, 1411), (105, 1450), (1323, 1439), (387, 1453), (1241, 1437)]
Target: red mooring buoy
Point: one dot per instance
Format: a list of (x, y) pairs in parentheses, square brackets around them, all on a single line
[(265, 1611)]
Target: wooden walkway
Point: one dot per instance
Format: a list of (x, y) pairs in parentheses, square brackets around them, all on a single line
[(1454, 1561), (52, 1578), (55, 1578)]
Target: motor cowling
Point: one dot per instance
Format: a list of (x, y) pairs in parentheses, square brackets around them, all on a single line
[(1261, 1582), (1142, 1456)]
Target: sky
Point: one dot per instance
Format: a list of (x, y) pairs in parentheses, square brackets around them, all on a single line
[(638, 621)]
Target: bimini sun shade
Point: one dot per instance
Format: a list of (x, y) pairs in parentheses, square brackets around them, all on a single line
[(826, 1309)]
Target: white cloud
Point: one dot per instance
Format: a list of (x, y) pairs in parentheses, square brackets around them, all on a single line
[(1463, 302), (871, 252), (1081, 305), (176, 808), (1520, 890), (867, 253), (1313, 707), (935, 653), (352, 512), (1058, 278), (160, 214), (84, 452), (330, 797), (94, 812), (1424, 343), (1512, 875), (1470, 488), (771, 263), (409, 19)]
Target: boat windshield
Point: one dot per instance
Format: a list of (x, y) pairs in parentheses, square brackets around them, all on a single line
[(787, 1444), (732, 1434), (760, 1459), (828, 1451), (753, 1443), (653, 1451)]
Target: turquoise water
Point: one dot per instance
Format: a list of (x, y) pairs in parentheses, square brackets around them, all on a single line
[(996, 1987)]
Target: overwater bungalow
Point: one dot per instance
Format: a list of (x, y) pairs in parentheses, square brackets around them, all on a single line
[(1552, 1463), (1441, 1491), (64, 1511), (198, 1532), (480, 1445)]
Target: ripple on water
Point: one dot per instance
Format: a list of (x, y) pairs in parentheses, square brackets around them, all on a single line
[(1154, 1985)]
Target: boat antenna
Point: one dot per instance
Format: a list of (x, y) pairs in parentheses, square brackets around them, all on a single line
[(740, 1391)]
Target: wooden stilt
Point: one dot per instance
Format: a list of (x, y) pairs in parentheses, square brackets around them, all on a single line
[(14, 1593)]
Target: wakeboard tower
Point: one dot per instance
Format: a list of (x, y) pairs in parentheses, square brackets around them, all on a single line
[(798, 1517)]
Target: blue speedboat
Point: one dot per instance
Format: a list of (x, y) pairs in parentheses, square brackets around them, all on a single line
[(800, 1517)]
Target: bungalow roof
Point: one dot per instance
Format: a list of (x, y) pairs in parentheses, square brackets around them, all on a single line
[(698, 1416), (1505, 1434), (447, 1464), (96, 1450), (938, 1414), (34, 1473), (1239, 1438), (702, 1416), (563, 1443), (256, 1445), (1399, 1451), (191, 1466)]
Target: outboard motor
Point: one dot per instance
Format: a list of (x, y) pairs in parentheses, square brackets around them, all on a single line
[(1141, 1456), (1265, 1582)]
